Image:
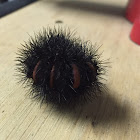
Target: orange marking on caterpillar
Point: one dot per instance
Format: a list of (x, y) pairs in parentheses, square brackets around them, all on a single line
[(34, 71), (92, 67), (76, 76)]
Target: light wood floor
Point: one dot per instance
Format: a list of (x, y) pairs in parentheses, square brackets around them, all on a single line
[(115, 116)]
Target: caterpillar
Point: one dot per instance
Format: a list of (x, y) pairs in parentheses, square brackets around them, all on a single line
[(60, 68)]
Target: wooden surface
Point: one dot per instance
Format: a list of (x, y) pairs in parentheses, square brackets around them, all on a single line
[(114, 116)]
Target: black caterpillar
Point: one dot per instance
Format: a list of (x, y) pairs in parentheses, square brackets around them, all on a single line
[(60, 68)]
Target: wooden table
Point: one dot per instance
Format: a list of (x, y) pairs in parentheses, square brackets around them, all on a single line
[(113, 116)]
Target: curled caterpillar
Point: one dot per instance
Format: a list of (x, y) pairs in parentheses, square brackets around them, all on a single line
[(60, 68)]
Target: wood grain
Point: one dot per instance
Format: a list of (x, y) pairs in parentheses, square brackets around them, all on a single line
[(113, 116)]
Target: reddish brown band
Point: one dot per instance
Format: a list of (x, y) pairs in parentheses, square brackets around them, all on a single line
[(91, 67), (52, 77), (76, 76), (34, 71)]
